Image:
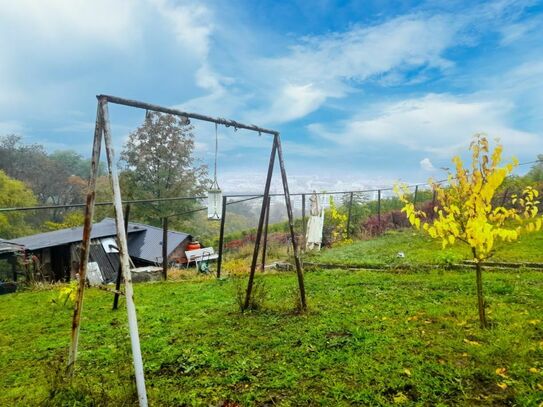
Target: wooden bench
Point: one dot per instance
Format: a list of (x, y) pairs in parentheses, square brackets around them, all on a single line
[(205, 253)]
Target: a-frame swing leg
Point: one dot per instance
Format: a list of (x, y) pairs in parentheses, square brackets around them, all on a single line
[(260, 224), (265, 239), (276, 149), (288, 203), (85, 244), (123, 253)]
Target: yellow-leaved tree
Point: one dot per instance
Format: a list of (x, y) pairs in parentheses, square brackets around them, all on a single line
[(464, 211)]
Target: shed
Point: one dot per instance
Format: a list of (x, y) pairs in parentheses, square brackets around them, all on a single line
[(57, 253), (8, 259)]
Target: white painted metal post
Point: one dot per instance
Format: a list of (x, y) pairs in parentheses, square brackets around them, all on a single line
[(125, 262)]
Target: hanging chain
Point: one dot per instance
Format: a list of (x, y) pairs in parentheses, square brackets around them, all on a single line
[(216, 150)]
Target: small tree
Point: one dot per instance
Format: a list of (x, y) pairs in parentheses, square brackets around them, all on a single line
[(160, 164), (464, 210)]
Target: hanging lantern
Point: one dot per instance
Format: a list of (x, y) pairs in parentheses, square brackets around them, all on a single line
[(214, 194), (214, 202)]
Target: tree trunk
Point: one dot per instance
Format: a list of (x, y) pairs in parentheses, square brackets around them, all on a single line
[(480, 298)]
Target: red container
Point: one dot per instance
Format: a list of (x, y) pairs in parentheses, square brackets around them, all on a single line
[(193, 246)]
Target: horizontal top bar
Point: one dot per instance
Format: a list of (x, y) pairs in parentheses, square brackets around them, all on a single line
[(167, 110)]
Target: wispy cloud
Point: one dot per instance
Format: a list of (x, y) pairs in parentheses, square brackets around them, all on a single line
[(335, 65), (191, 23), (440, 124), (405, 50), (426, 165)]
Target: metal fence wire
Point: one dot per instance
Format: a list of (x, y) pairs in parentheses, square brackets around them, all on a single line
[(28, 254)]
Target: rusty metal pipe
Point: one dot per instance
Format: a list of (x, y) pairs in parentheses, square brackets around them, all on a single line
[(297, 260), (265, 242), (85, 244), (260, 224), (176, 112)]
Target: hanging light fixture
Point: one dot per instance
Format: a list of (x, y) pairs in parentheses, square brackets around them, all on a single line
[(214, 194)]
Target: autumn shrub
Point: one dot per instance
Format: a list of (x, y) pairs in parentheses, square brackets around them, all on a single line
[(259, 294), (335, 225)]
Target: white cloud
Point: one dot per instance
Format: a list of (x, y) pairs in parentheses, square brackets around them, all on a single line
[(218, 100), (515, 31), (366, 51), (317, 68), (291, 102), (440, 124), (426, 165), (191, 23), (333, 65), (65, 46), (63, 22), (41, 41)]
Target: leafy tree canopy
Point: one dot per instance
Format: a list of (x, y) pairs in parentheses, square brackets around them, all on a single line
[(14, 193), (55, 178), (159, 163), (74, 164), (536, 172)]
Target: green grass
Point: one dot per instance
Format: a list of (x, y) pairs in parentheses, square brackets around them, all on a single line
[(369, 339), (421, 249)]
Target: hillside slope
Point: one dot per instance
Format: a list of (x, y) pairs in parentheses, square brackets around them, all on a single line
[(370, 338)]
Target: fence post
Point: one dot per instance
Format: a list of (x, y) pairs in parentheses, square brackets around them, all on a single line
[(165, 247), (504, 198), (221, 237), (13, 262), (434, 197), (120, 272), (415, 196), (265, 243), (349, 215), (304, 226), (379, 208)]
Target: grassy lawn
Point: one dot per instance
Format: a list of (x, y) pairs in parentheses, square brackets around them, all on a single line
[(369, 339), (421, 249)]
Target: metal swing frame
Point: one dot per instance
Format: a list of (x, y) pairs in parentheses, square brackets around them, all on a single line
[(103, 131)]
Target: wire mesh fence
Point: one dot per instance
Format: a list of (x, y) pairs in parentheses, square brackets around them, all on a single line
[(43, 242)]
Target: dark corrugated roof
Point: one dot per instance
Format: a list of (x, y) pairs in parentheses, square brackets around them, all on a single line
[(72, 235), (8, 247), (144, 241), (148, 246)]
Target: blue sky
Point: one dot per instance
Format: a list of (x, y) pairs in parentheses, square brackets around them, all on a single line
[(363, 92)]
